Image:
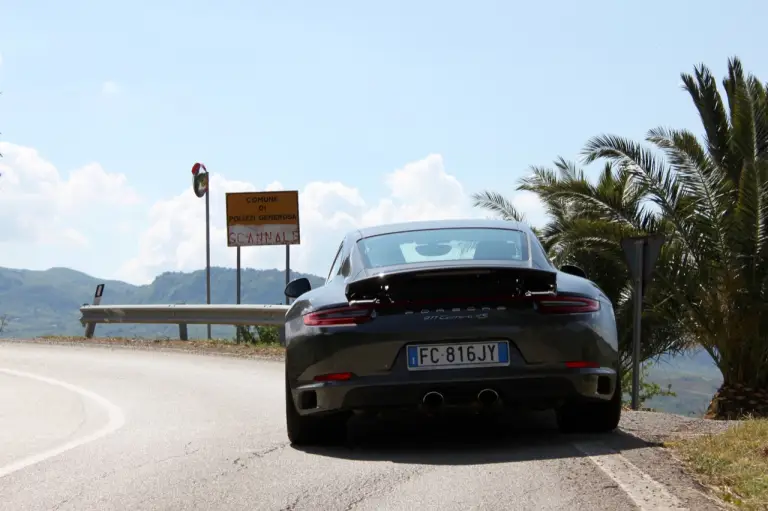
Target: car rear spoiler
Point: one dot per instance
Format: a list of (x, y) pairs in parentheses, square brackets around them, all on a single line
[(517, 281)]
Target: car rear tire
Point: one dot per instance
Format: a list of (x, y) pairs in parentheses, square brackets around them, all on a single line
[(593, 417), (310, 430)]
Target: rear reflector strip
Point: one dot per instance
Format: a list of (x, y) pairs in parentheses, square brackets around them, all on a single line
[(580, 364), (356, 314), (334, 377)]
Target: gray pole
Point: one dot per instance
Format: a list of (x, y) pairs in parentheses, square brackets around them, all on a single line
[(238, 275), (90, 328), (639, 245), (237, 285), (208, 248), (287, 270)]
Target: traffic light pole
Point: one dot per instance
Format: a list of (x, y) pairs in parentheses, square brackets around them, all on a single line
[(200, 185), (208, 251)]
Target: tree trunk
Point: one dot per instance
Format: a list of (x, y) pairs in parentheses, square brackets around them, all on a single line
[(744, 391), (736, 401)]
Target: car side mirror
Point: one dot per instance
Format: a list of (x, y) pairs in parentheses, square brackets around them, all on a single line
[(573, 270), (298, 287)]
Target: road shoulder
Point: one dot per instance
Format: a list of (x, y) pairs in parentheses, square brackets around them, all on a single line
[(652, 430)]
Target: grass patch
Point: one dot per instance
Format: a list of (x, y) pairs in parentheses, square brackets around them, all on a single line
[(733, 463), (216, 346)]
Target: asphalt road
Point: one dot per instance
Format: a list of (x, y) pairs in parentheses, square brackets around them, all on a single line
[(99, 429)]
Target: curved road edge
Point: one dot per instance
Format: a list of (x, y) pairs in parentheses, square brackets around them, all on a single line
[(116, 420)]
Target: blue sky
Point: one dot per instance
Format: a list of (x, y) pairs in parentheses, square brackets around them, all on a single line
[(326, 92)]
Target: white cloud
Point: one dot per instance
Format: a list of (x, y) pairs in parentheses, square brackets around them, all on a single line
[(175, 238), (40, 207), (1, 58), (109, 88), (51, 219), (531, 206)]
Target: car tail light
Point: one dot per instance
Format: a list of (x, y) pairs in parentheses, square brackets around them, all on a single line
[(341, 316), (333, 377), (566, 304), (581, 364)]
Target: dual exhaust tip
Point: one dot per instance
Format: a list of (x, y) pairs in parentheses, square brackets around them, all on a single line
[(486, 397)]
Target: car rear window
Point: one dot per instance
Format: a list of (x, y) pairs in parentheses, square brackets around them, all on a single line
[(458, 244)]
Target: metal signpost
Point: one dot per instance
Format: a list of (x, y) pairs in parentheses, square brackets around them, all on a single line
[(90, 328), (200, 184), (287, 270), (237, 285), (641, 253), (257, 219)]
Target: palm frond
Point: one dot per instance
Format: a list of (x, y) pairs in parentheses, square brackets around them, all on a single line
[(703, 90), (497, 203)]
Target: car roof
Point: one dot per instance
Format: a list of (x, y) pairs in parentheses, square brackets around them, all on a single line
[(473, 223)]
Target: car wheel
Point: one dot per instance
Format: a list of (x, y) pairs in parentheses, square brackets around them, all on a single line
[(309, 430), (597, 417)]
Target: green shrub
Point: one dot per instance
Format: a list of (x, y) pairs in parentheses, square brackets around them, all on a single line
[(648, 390), (259, 335)]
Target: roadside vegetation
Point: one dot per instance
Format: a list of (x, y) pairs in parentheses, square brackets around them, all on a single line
[(267, 335), (734, 463), (648, 389), (709, 197)]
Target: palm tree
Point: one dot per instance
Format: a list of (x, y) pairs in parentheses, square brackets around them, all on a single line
[(711, 202), (586, 225)]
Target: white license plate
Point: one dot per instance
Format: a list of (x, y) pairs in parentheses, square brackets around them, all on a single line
[(460, 355)]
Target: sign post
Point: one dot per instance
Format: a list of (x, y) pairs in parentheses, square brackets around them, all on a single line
[(257, 219), (90, 328), (200, 183), (287, 270), (237, 284), (641, 253)]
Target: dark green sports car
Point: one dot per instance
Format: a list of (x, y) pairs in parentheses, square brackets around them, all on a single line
[(448, 315)]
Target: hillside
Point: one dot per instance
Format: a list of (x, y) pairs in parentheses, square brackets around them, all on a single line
[(694, 377), (47, 302)]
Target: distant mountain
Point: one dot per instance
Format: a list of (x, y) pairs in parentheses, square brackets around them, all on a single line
[(47, 302), (694, 377)]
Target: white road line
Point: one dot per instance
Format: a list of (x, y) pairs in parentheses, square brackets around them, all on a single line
[(646, 493), (116, 421)]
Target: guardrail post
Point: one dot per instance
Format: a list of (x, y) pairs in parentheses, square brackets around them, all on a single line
[(183, 335), (281, 334), (90, 328)]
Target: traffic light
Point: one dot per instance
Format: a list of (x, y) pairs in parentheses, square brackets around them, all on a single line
[(199, 179)]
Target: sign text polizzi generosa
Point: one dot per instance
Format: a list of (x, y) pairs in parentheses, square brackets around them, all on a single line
[(263, 218)]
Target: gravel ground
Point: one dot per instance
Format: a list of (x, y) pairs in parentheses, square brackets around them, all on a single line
[(656, 428)]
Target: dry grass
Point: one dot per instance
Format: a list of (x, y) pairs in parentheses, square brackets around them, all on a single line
[(214, 346), (733, 463)]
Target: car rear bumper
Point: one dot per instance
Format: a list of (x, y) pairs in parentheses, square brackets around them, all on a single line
[(537, 389)]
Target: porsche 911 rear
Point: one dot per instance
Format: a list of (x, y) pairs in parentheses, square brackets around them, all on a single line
[(459, 334)]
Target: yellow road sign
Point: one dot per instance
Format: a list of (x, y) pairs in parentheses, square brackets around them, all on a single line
[(263, 218)]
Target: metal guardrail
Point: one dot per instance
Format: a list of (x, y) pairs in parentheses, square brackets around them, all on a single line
[(183, 315)]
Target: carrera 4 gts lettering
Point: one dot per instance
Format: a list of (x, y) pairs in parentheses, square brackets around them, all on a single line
[(454, 318)]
